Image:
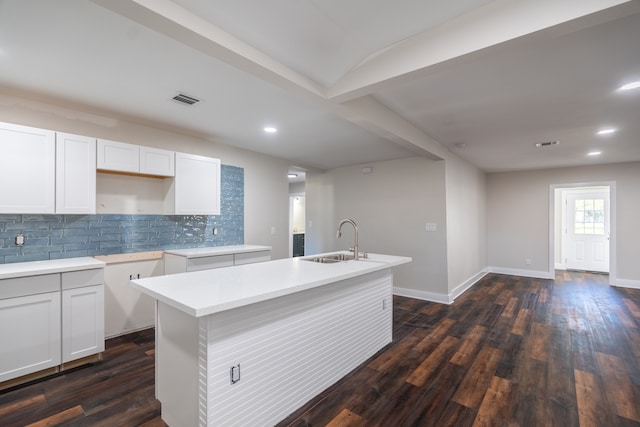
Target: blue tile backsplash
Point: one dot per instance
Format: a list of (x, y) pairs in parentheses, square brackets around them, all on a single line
[(67, 236)]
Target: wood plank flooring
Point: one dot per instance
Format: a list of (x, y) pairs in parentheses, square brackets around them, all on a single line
[(511, 351)]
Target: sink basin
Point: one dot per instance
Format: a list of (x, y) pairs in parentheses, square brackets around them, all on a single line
[(329, 259)]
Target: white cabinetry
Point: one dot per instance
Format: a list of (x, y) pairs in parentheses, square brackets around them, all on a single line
[(29, 325), (75, 174), (118, 156), (196, 187), (27, 169), (82, 314), (154, 161), (49, 315), (196, 259), (129, 158)]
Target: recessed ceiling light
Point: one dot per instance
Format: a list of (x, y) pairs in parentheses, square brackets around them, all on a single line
[(629, 86), (594, 153), (270, 129), (607, 131), (293, 175)]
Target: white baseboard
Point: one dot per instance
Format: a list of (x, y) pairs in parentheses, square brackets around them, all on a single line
[(626, 283), (525, 273), (441, 298), (423, 295), (467, 284)]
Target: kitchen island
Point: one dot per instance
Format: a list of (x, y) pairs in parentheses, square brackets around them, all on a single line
[(249, 344)]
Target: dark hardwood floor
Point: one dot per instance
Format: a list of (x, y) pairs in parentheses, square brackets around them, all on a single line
[(511, 351)]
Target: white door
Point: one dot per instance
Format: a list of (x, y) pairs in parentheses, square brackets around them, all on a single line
[(587, 230)]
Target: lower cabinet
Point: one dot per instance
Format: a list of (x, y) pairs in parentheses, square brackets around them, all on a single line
[(47, 320), (30, 334), (179, 263), (82, 322)]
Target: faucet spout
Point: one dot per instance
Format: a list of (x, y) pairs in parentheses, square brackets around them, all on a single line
[(355, 232)]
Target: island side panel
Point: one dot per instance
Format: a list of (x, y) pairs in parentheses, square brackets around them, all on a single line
[(177, 365), (292, 348)]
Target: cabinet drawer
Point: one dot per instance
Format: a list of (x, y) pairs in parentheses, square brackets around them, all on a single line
[(208, 262), (251, 257), (32, 285), (81, 278)]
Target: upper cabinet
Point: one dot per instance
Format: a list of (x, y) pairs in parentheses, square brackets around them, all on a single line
[(27, 169), (118, 156), (47, 172), (196, 187), (75, 174), (154, 161), (129, 158)]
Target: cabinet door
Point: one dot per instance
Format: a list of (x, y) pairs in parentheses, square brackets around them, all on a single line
[(154, 161), (75, 174), (30, 334), (118, 156), (197, 185), (82, 322), (28, 164)]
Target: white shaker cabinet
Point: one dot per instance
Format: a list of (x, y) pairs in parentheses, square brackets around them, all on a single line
[(75, 174), (29, 325), (196, 187), (154, 161), (82, 322), (51, 313), (117, 156), (82, 314), (130, 158), (27, 169)]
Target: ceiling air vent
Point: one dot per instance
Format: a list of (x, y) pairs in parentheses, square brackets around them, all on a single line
[(547, 143), (185, 99)]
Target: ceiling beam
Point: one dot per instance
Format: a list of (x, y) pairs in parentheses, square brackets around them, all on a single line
[(175, 22), (494, 25)]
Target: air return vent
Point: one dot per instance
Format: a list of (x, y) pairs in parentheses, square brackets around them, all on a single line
[(185, 99), (547, 143)]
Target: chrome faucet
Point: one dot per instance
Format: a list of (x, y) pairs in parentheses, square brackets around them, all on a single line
[(355, 231)]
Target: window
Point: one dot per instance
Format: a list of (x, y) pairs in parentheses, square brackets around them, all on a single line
[(589, 218)]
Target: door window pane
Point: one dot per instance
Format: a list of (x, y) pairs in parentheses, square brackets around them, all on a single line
[(589, 216)]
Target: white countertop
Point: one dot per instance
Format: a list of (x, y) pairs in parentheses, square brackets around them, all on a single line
[(205, 292), (33, 268), (216, 250)]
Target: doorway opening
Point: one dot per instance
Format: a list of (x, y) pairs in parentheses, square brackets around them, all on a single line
[(297, 211), (583, 228)]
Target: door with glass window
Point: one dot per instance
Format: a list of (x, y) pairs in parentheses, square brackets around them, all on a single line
[(587, 231)]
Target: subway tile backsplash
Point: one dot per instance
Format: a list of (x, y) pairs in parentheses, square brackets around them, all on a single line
[(67, 236)]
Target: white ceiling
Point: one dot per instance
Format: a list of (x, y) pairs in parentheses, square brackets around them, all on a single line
[(346, 82)]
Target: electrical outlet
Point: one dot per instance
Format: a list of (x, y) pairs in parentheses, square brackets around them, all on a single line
[(20, 239), (273, 230), (215, 231), (234, 373), (527, 261)]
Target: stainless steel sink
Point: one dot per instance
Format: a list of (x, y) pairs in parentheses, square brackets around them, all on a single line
[(330, 259)]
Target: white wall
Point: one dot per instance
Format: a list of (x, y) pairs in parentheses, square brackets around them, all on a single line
[(466, 223), (391, 206), (518, 216), (266, 185)]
